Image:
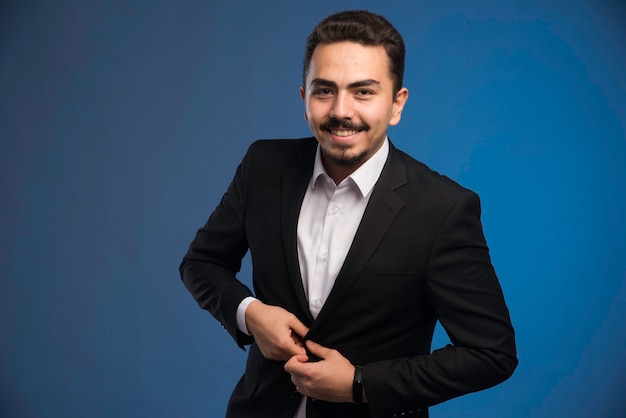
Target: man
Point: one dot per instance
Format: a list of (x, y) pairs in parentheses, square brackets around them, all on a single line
[(357, 250)]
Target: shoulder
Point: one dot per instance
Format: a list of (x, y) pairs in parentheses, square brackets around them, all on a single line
[(421, 180), (266, 156), (281, 147)]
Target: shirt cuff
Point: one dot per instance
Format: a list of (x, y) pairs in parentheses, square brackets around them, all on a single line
[(241, 314)]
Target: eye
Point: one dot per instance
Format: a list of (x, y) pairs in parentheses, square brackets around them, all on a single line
[(364, 92), (322, 92)]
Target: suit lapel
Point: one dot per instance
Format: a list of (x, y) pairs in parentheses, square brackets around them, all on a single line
[(294, 184), (381, 210)]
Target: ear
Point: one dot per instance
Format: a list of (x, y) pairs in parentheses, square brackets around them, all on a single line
[(303, 97), (398, 104)]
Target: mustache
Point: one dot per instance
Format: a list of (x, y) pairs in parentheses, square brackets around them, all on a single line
[(334, 123)]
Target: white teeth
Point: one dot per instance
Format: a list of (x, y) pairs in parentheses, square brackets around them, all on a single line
[(343, 133)]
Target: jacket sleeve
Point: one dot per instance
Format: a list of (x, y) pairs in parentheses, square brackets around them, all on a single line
[(213, 259), (468, 301)]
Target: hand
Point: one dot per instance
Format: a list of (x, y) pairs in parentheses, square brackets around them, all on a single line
[(277, 332), (329, 379)]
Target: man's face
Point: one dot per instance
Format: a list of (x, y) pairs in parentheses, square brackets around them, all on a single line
[(349, 103)]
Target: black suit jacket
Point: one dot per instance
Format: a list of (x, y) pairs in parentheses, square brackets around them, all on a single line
[(419, 255)]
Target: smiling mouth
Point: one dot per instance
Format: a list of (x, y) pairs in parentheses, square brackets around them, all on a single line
[(343, 128), (343, 132)]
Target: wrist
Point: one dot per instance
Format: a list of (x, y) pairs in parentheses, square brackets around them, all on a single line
[(242, 309), (357, 385)]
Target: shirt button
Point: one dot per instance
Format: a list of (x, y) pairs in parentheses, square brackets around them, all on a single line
[(324, 256), (334, 210), (317, 303)]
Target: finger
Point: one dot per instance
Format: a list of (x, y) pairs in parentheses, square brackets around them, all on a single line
[(317, 349), (295, 348), (302, 358), (294, 366), (296, 339), (294, 381), (298, 327)]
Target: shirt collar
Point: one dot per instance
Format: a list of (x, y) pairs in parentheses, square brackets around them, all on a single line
[(364, 177)]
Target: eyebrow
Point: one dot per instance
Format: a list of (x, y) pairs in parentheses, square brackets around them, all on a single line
[(320, 82)]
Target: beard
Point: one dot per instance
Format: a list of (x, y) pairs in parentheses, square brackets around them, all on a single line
[(340, 154)]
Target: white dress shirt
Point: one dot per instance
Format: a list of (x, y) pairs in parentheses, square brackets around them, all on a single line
[(329, 218)]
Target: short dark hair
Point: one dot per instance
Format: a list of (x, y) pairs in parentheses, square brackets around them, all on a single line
[(362, 27)]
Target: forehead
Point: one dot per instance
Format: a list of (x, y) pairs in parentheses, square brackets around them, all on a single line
[(349, 62)]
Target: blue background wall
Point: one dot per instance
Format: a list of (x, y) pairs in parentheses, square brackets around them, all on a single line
[(121, 124)]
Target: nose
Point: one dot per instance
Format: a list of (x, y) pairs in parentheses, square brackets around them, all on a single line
[(342, 106)]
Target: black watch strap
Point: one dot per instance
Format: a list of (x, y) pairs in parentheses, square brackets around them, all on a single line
[(357, 385)]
